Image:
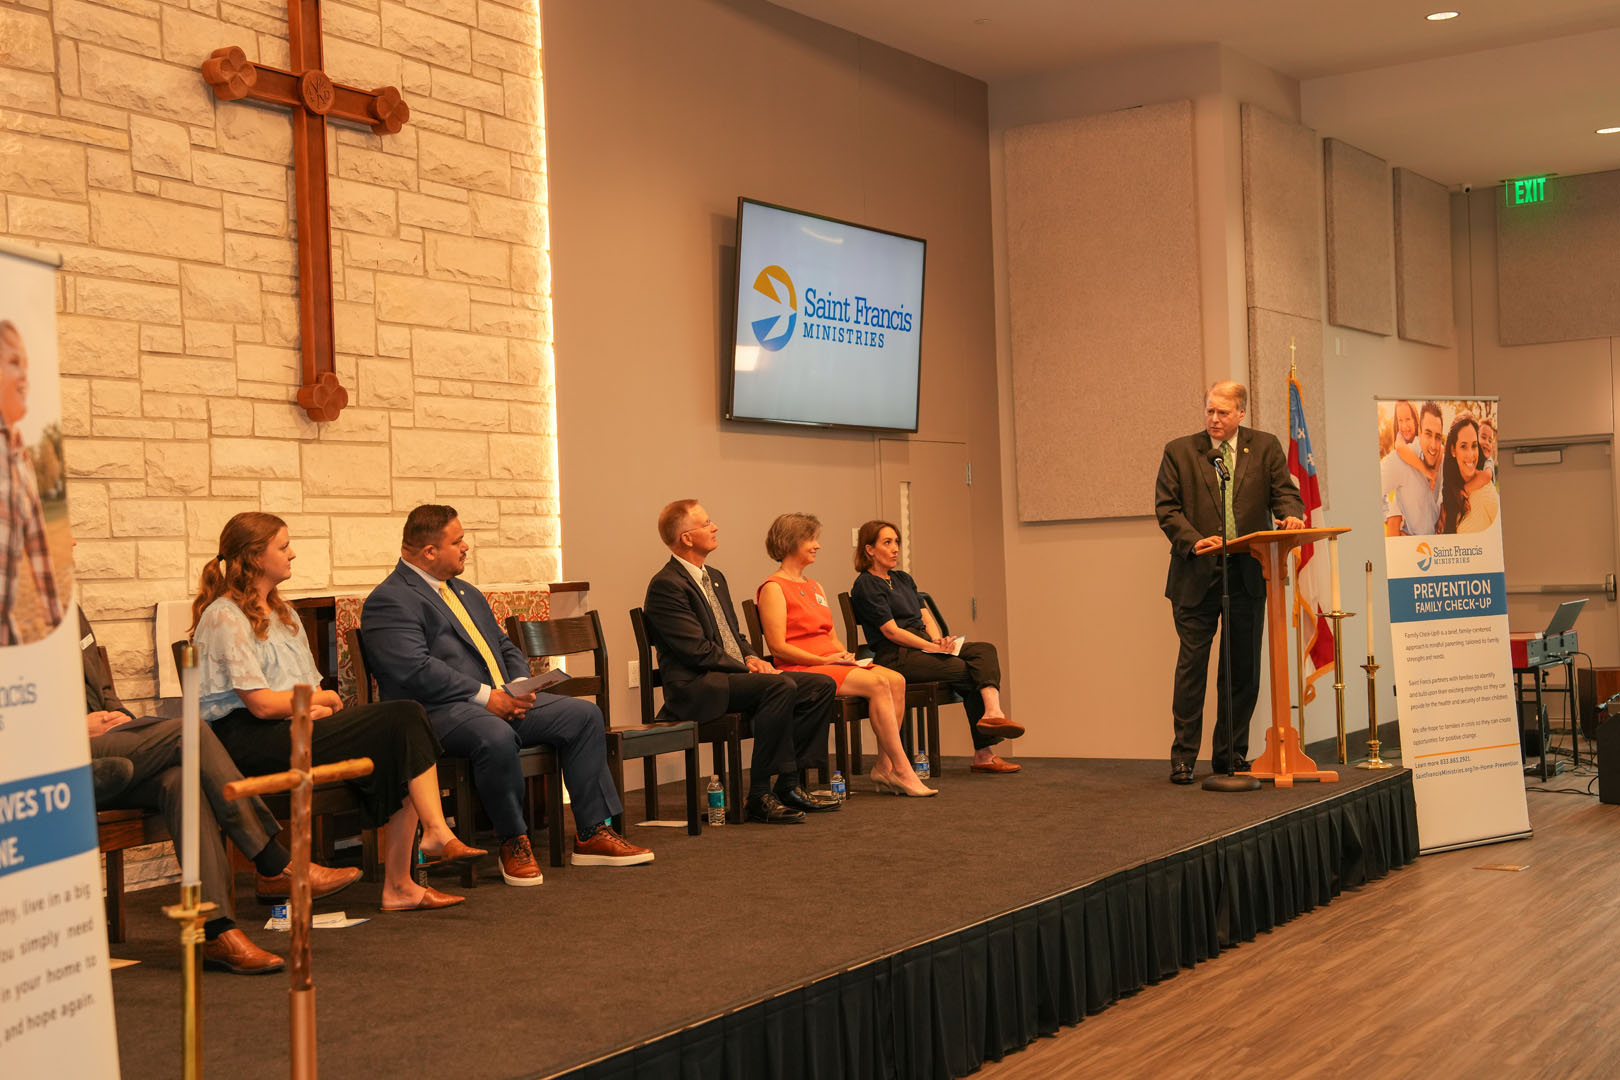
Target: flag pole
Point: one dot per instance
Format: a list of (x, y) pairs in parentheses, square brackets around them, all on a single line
[(1299, 643)]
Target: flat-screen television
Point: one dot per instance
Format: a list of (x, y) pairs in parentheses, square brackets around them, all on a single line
[(828, 322)]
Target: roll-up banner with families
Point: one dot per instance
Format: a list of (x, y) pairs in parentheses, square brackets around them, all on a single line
[(56, 1007), (1448, 619)]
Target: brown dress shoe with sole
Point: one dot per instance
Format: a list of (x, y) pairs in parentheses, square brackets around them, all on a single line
[(1002, 727), (324, 881), (233, 952), (996, 765)]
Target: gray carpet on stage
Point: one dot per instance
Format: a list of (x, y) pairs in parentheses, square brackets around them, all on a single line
[(523, 982)]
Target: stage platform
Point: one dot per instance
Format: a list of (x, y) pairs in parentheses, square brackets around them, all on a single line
[(897, 937)]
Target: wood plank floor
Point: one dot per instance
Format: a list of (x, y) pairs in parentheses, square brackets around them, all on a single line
[(1438, 970)]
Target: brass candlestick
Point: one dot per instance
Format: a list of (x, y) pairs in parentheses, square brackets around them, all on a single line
[(191, 912), (1373, 760), (1338, 618)]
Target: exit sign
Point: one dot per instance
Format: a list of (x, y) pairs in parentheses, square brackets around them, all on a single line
[(1529, 190)]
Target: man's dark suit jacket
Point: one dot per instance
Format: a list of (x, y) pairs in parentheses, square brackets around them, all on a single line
[(99, 694), (1188, 502), (694, 665), (419, 650)]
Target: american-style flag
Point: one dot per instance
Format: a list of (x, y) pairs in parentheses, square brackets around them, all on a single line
[(1313, 588)]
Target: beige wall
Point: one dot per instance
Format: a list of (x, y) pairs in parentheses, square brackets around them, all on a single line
[(1559, 525), (1085, 600), (659, 117), (179, 320)]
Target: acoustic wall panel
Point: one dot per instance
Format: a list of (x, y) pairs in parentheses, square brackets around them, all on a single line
[(1103, 291), (1558, 261), (1422, 259), (1360, 258), (1282, 235), (1270, 333)]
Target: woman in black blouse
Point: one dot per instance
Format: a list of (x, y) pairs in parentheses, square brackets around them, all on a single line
[(905, 637)]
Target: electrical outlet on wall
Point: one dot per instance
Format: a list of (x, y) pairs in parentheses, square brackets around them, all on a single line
[(635, 674), (854, 535)]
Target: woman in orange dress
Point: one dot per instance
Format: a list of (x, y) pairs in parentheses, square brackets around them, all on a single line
[(798, 627)]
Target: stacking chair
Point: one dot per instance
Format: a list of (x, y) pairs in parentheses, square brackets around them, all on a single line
[(539, 765), (724, 734), (921, 698), (583, 634), (850, 712)]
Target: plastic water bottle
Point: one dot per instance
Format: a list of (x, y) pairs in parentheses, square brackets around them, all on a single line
[(840, 789), (920, 766), (717, 802)]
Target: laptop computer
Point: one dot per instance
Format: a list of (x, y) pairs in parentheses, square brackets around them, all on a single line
[(1564, 618)]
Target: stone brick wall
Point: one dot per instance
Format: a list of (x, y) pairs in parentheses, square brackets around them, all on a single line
[(178, 306)]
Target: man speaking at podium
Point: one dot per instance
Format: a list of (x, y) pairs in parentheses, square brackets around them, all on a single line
[(1189, 506)]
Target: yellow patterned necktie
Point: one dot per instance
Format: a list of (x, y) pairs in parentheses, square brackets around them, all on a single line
[(496, 680)]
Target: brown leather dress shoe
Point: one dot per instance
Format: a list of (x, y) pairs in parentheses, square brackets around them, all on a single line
[(1002, 727), (323, 882), (432, 900), (453, 853), (996, 765), (233, 952), (517, 863)]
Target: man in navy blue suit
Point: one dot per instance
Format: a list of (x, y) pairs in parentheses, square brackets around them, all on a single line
[(432, 638)]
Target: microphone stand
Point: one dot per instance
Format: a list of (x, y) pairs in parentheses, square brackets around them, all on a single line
[(1231, 781)]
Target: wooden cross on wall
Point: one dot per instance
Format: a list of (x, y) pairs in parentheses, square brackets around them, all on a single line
[(312, 97)]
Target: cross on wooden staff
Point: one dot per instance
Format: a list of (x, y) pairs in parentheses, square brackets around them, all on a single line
[(312, 97), (300, 779)]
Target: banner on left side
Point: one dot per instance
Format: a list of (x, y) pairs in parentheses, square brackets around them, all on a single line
[(56, 1007)]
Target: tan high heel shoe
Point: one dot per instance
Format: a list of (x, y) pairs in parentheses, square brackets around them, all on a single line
[(887, 785)]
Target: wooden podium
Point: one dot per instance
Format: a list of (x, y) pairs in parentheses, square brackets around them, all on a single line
[(1284, 761)]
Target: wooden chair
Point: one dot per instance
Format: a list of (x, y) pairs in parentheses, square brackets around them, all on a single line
[(537, 639), (851, 710), (538, 763), (922, 698), (724, 733), (117, 832), (328, 803)]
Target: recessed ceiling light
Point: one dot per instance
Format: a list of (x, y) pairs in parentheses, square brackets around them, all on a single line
[(1609, 131), (1441, 16), (981, 22)]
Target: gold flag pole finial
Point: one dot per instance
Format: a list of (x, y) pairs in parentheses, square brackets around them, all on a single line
[(1293, 369)]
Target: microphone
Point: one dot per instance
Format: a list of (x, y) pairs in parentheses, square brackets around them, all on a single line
[(1217, 459)]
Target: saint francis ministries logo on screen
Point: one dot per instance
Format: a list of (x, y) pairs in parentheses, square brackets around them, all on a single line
[(776, 329), (848, 320)]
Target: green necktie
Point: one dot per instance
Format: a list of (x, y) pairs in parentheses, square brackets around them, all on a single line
[(1231, 521)]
